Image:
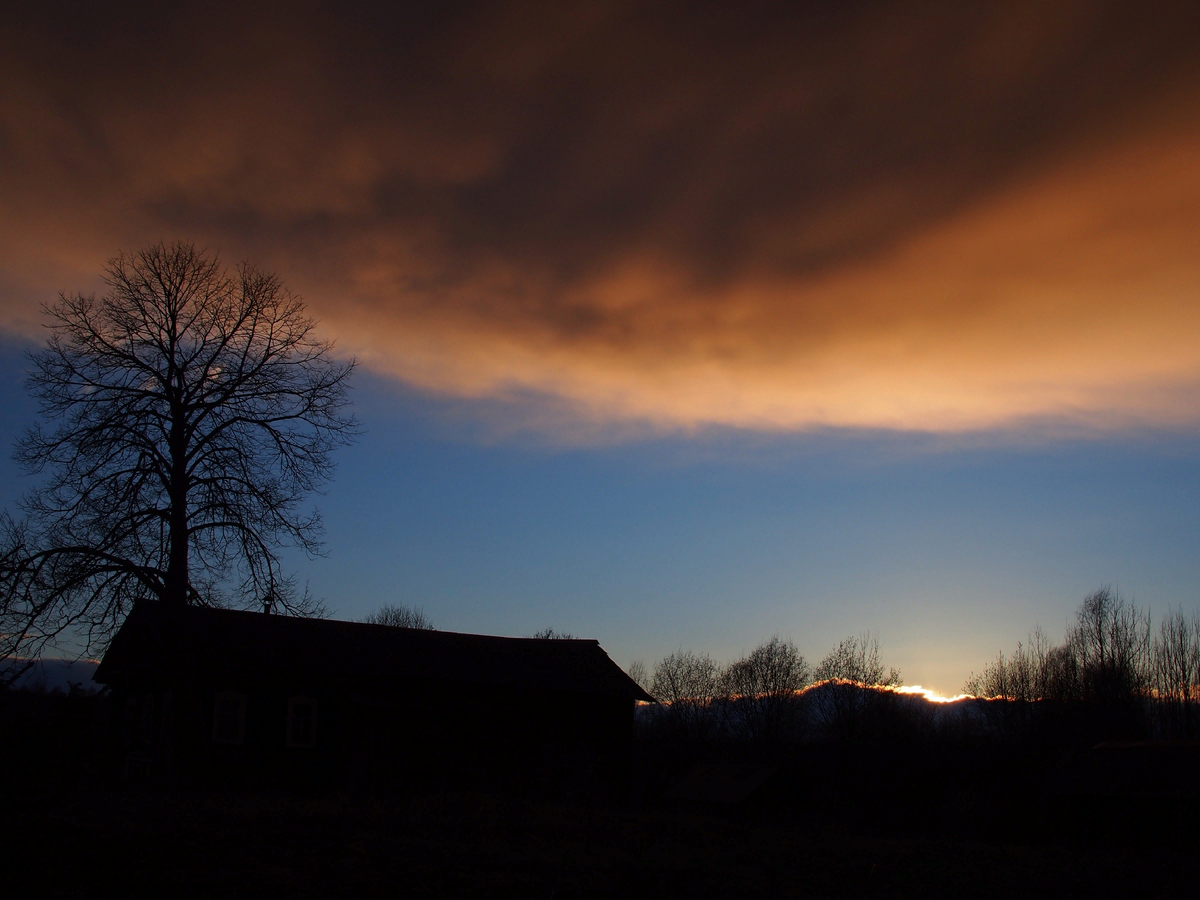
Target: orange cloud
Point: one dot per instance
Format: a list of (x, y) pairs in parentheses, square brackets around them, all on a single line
[(636, 217)]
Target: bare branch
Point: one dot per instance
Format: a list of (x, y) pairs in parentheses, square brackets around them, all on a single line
[(192, 410)]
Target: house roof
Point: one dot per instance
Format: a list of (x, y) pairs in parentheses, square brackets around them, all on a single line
[(157, 641)]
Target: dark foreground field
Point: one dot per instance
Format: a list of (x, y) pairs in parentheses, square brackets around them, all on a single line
[(933, 820), (87, 841)]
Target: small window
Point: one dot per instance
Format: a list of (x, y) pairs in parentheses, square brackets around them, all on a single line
[(229, 717), (302, 722)]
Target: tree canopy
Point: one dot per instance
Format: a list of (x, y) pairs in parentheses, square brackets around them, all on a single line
[(188, 413)]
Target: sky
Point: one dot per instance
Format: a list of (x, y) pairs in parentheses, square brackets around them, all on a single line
[(679, 325)]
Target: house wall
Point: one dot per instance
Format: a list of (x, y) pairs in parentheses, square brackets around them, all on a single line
[(370, 739), (423, 737)]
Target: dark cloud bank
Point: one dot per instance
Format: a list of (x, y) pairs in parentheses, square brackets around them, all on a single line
[(773, 216)]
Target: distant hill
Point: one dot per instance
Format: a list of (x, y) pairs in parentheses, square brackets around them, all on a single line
[(50, 674)]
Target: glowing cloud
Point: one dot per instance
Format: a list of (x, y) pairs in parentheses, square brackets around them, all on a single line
[(642, 217)]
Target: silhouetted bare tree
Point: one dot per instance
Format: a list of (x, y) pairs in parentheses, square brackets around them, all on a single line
[(399, 616), (549, 634), (637, 671), (1013, 684), (850, 698), (1176, 672), (1097, 683), (857, 659), (1061, 677), (1111, 644), (762, 691), (686, 683), (193, 408)]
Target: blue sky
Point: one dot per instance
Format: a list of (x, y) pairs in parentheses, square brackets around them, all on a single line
[(715, 542), (677, 326)]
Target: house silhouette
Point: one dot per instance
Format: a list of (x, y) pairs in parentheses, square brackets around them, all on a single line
[(229, 695)]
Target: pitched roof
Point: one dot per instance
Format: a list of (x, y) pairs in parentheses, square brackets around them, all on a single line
[(157, 640)]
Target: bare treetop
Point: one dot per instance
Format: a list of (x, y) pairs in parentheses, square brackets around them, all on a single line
[(191, 409), (400, 616), (856, 659)]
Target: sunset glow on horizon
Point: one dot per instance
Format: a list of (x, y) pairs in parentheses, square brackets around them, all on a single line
[(931, 695)]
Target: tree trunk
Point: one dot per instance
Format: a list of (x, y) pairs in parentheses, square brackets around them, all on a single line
[(176, 587)]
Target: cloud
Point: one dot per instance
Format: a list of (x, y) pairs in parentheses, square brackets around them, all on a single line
[(778, 217)]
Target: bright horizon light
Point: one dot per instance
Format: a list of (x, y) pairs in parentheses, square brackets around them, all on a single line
[(931, 695)]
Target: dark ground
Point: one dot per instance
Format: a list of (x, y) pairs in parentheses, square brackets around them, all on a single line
[(872, 822), (119, 843)]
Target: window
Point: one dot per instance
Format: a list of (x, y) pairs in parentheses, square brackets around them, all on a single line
[(302, 722), (229, 717)]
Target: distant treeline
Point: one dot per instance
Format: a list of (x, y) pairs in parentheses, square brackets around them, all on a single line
[(773, 696), (1114, 677)]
